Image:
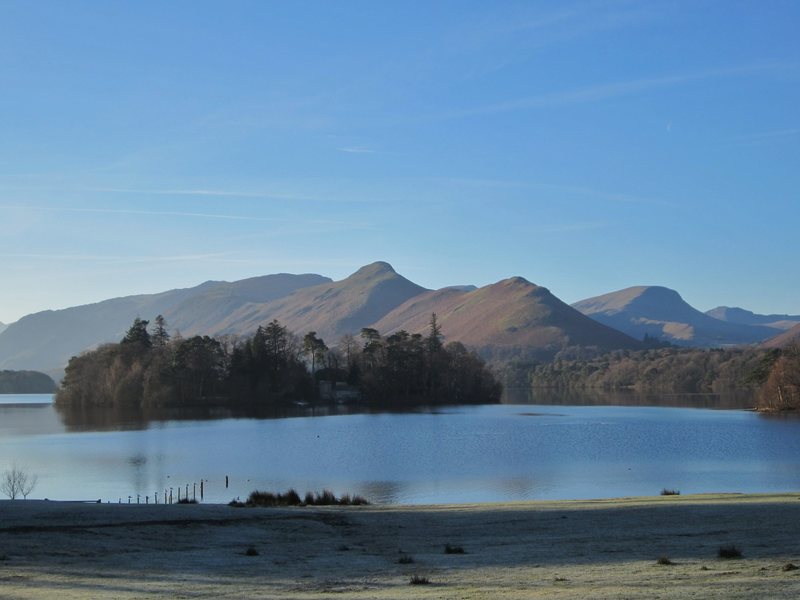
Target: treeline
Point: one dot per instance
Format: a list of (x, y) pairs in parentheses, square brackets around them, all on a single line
[(673, 370), (781, 387), (26, 382), (150, 369), (772, 375)]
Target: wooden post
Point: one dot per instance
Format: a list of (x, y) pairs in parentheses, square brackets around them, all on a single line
[(226, 482), (194, 491), (201, 489)]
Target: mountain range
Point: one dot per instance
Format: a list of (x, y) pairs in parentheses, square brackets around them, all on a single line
[(660, 313), (2, 327), (746, 317), (510, 315)]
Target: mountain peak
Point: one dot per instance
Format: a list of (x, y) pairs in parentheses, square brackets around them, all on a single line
[(375, 269), (662, 313), (516, 281)]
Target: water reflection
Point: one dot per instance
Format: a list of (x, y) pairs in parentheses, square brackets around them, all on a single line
[(735, 400), (453, 454), (133, 418)]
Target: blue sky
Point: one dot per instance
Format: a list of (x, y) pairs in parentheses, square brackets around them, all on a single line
[(586, 146)]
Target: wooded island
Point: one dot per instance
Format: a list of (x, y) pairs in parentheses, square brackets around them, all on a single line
[(152, 369)]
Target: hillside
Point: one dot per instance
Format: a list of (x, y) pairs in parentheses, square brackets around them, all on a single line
[(783, 339), (334, 308), (746, 317), (510, 313), (661, 313), (2, 327), (25, 382), (46, 340)]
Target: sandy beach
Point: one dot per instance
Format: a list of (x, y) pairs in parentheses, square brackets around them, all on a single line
[(562, 549)]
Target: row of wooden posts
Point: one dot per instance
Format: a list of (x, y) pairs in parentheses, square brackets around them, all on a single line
[(168, 497)]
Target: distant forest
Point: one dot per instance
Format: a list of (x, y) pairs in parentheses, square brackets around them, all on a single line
[(773, 375), (25, 382), (148, 368)]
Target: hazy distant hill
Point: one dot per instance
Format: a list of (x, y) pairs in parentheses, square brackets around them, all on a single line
[(2, 327), (512, 312), (746, 317), (782, 339), (333, 308), (26, 382), (661, 313), (46, 340)]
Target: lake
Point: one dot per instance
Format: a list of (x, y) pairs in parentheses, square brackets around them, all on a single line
[(455, 454)]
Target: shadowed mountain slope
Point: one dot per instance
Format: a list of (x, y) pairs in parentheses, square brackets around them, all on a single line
[(334, 308), (2, 327), (661, 313), (746, 317), (783, 339), (46, 340), (512, 312)]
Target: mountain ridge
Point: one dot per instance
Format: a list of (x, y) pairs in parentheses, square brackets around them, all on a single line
[(524, 315), (734, 314), (661, 313), (509, 313)]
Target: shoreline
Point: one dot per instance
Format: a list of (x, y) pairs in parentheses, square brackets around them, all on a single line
[(602, 548)]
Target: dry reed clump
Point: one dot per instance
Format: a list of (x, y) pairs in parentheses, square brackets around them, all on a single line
[(729, 551), (292, 498)]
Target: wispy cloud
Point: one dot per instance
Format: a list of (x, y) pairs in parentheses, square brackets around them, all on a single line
[(199, 192), (356, 150), (194, 215), (755, 139), (615, 197), (600, 92), (127, 211), (106, 258)]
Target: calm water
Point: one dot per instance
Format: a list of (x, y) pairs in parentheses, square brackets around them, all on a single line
[(459, 454)]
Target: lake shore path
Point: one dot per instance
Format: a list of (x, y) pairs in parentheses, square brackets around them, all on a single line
[(548, 549)]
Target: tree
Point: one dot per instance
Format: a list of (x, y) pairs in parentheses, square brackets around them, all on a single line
[(16, 482), (315, 348), (160, 336), (434, 339), (137, 334)]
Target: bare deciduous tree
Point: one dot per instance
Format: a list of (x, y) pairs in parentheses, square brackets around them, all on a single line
[(16, 482)]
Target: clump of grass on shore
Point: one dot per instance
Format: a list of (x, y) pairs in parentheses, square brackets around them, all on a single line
[(292, 498), (729, 551), (664, 560), (405, 559), (448, 549), (419, 580), (187, 501), (670, 492)]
